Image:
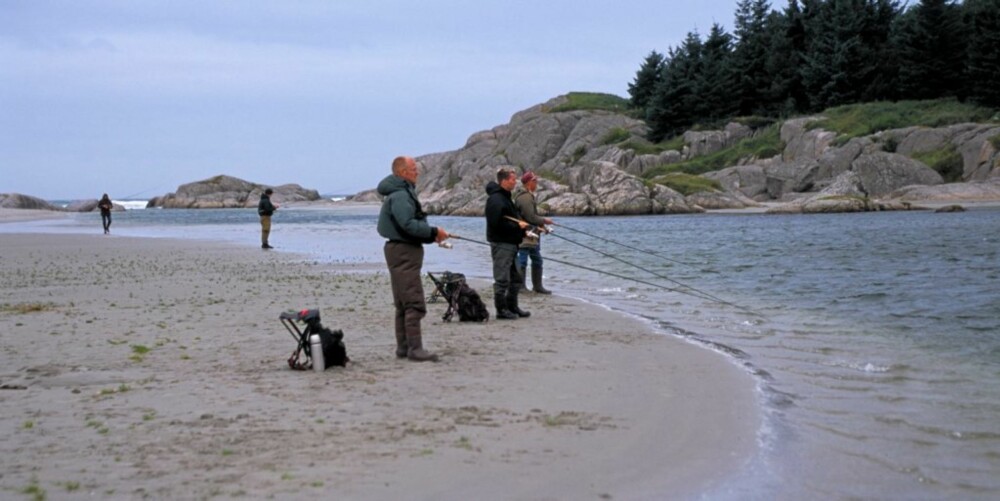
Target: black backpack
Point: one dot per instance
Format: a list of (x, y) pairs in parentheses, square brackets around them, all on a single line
[(334, 351), (470, 306), (461, 298)]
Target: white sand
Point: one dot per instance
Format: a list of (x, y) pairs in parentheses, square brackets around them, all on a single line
[(576, 402)]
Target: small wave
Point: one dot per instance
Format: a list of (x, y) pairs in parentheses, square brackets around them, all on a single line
[(131, 204), (866, 367)]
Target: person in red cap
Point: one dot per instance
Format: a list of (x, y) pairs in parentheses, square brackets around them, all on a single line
[(531, 246)]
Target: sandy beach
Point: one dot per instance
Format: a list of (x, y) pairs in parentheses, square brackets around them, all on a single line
[(149, 368)]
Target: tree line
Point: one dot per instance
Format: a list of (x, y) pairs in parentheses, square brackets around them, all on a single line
[(815, 54)]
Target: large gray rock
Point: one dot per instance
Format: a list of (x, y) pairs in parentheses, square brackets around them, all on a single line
[(953, 192), (227, 192), (581, 174), (748, 180), (19, 201), (698, 143), (883, 172), (802, 143)]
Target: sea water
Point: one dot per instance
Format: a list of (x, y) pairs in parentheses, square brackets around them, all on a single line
[(874, 338)]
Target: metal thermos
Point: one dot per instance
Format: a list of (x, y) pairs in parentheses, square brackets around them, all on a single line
[(319, 365)]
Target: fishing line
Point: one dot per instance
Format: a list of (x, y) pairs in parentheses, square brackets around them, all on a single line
[(661, 256), (692, 292), (704, 295)]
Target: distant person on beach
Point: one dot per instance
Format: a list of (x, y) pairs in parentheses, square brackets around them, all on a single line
[(531, 246), (265, 209), (105, 205), (504, 231), (404, 225)]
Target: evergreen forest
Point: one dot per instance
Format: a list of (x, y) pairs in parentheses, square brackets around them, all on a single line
[(816, 54)]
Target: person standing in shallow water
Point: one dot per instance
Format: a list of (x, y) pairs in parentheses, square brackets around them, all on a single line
[(531, 246), (265, 209), (403, 224), (105, 205)]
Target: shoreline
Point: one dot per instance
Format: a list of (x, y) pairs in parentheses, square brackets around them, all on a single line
[(152, 367)]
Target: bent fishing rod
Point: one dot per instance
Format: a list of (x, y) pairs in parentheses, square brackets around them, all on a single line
[(695, 292), (624, 277)]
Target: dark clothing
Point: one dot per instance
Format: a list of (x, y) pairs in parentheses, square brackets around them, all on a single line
[(401, 218), (105, 205), (499, 208), (265, 207), (404, 261), (506, 280)]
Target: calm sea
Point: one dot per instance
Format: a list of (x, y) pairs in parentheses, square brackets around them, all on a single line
[(874, 338)]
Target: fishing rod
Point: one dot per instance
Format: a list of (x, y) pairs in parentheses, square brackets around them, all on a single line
[(702, 294), (624, 277), (661, 256)]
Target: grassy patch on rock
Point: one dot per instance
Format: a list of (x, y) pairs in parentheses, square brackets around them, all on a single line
[(592, 101), (857, 120), (764, 145), (947, 161), (687, 184)]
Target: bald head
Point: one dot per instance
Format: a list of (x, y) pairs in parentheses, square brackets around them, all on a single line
[(406, 168)]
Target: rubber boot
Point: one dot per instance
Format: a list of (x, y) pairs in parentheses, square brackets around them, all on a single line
[(536, 281), (521, 278), (512, 305), (416, 352), (500, 302), (402, 347)]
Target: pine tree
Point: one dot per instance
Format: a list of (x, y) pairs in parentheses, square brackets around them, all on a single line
[(714, 92), (646, 79), (786, 44), (844, 41), (928, 40), (670, 110), (749, 56), (983, 61)]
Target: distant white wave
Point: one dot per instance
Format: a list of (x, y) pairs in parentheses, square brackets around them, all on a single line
[(131, 204)]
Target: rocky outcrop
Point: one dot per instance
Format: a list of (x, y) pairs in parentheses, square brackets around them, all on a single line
[(577, 154), (226, 192), (589, 166), (953, 192), (19, 201)]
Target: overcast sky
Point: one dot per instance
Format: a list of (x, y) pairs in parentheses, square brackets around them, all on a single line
[(135, 97)]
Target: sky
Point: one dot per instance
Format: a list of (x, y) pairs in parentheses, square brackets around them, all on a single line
[(136, 97)]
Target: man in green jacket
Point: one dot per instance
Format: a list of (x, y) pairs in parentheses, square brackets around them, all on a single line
[(531, 246), (403, 224)]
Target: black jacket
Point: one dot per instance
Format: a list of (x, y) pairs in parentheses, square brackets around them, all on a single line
[(265, 207), (499, 206)]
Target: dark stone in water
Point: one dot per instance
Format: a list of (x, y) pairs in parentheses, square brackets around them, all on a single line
[(951, 208)]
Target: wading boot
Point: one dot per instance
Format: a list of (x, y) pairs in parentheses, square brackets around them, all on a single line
[(536, 281), (402, 347), (521, 278), (512, 306), (500, 302), (416, 352)]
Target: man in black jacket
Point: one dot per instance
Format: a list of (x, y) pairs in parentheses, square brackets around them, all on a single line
[(504, 231), (265, 209)]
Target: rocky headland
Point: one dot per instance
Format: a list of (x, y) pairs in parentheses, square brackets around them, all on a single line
[(589, 166)]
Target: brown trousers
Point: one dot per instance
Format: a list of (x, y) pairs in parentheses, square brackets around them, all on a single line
[(404, 261), (265, 229)]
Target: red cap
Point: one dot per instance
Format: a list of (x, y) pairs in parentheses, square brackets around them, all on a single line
[(528, 177)]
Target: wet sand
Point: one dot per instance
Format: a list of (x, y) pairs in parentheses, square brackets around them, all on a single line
[(140, 368)]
